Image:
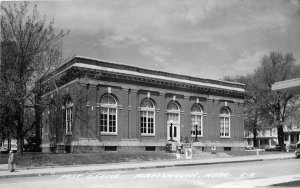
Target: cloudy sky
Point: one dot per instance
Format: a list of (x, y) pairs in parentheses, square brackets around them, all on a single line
[(203, 38)]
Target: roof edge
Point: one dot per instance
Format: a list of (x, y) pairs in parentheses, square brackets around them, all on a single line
[(75, 59), (123, 64)]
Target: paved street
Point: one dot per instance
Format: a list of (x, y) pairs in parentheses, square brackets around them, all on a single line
[(192, 176)]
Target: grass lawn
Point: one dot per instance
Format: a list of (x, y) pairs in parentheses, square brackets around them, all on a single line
[(287, 184), (42, 159), (32, 160)]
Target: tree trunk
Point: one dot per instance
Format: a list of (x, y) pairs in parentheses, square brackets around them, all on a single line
[(20, 131), (38, 117), (8, 143), (255, 144), (280, 135), (38, 120)]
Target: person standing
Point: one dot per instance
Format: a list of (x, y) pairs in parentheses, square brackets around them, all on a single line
[(11, 162)]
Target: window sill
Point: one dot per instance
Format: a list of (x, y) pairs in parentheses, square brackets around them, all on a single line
[(224, 136), (193, 136), (109, 134), (148, 135)]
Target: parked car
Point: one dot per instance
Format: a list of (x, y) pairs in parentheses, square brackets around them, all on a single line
[(291, 147), (271, 148), (275, 148), (297, 150), (249, 148), (32, 145)]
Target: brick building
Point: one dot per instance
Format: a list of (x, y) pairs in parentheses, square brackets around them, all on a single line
[(94, 105)]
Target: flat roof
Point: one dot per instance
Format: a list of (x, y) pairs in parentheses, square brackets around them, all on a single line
[(95, 64), (288, 86)]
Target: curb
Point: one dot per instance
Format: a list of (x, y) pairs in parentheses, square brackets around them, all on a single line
[(278, 159), (137, 168), (223, 162)]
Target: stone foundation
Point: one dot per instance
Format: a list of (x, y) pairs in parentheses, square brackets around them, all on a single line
[(94, 145)]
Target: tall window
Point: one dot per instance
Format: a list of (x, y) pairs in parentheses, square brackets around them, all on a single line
[(197, 119), (173, 111), (225, 122), (108, 114), (147, 117), (69, 115)]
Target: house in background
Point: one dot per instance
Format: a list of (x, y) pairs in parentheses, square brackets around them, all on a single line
[(268, 136), (265, 137), (94, 105), (292, 127)]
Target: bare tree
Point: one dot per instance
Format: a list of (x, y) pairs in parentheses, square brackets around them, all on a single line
[(35, 50)]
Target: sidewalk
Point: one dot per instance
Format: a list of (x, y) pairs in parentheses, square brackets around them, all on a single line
[(23, 172), (259, 182)]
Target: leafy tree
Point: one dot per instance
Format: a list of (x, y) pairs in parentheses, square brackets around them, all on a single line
[(277, 106), (7, 112), (34, 49), (252, 105), (264, 107), (6, 124)]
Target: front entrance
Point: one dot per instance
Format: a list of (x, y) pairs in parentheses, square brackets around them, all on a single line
[(174, 132), (173, 122)]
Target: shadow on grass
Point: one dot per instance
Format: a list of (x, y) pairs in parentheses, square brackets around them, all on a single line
[(287, 184)]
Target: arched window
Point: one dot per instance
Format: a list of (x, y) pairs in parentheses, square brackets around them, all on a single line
[(197, 119), (108, 114), (147, 116), (225, 122), (173, 111), (173, 106), (69, 115)]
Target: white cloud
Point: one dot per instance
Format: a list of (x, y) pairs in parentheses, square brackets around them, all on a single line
[(247, 62), (156, 52), (171, 20), (144, 46), (228, 34), (295, 2), (121, 41)]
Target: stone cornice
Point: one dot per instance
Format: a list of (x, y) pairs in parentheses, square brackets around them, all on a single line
[(71, 73), (165, 84)]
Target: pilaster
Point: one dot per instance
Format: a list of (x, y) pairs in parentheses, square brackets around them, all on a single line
[(161, 118), (133, 114)]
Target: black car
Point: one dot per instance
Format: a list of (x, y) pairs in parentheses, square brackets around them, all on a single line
[(32, 145), (275, 148)]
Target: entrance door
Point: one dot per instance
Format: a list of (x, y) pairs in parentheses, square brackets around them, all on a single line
[(174, 129), (173, 122), (174, 133)]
